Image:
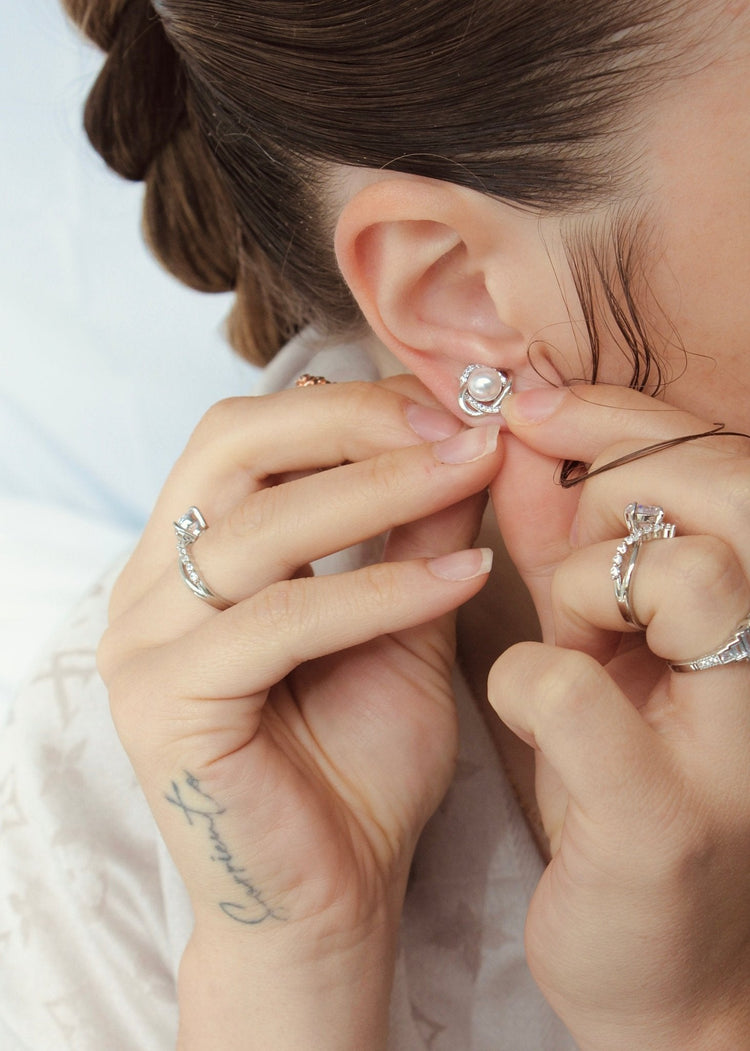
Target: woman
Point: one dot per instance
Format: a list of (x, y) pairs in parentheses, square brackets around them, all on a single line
[(556, 193)]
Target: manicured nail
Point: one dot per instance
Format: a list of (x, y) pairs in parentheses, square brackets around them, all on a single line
[(533, 406), (468, 445), (431, 424), (462, 565)]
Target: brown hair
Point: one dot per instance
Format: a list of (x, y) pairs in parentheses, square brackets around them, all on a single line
[(233, 111)]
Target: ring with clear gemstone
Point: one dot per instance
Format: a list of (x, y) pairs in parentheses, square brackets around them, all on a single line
[(645, 522)]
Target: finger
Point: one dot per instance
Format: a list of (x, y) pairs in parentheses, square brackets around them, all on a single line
[(540, 521), (702, 489), (446, 530), (277, 530), (535, 518), (579, 423), (598, 425), (242, 442), (564, 704), (452, 529), (690, 592), (233, 660)]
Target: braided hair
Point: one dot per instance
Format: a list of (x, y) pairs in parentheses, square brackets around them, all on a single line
[(140, 117)]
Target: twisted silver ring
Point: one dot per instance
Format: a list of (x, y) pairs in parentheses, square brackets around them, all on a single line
[(645, 523), (483, 389), (736, 648), (188, 528)]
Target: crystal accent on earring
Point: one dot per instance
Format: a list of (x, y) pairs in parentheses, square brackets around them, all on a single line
[(483, 389)]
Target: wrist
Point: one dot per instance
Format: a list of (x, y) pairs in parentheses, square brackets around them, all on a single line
[(287, 989), (724, 1029)]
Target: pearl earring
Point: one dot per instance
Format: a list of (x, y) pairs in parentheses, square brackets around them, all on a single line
[(483, 389)]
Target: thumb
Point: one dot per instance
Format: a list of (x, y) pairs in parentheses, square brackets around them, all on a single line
[(535, 516), (564, 704)]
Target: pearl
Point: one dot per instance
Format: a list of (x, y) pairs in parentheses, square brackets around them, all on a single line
[(485, 384), (483, 389)]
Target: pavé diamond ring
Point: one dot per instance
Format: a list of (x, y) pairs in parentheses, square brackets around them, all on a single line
[(188, 528), (645, 523), (737, 648)]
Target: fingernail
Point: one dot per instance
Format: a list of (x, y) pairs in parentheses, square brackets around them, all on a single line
[(462, 565), (533, 406), (431, 424), (468, 445)]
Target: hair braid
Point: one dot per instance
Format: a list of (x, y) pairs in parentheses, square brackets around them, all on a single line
[(140, 118)]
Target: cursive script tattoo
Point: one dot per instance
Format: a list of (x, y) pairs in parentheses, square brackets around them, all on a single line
[(201, 809)]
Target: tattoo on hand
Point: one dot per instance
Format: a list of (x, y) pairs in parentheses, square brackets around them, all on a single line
[(200, 808)]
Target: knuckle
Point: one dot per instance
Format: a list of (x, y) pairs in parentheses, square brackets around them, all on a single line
[(385, 477), (613, 452), (109, 654), (280, 607), (121, 688), (736, 488), (362, 399), (562, 682), (254, 515), (566, 686), (122, 711), (121, 595), (222, 417), (564, 584), (385, 592), (708, 567), (373, 410), (374, 414)]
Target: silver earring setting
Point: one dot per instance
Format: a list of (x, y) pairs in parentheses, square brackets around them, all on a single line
[(483, 389)]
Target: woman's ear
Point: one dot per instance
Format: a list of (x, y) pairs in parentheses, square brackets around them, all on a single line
[(447, 276)]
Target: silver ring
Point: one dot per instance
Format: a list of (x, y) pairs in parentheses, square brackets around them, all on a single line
[(188, 528), (483, 389), (645, 523), (736, 648)]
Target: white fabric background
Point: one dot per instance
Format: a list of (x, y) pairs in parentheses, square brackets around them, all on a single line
[(106, 363)]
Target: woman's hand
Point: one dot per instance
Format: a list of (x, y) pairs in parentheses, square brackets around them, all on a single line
[(293, 746), (639, 932)]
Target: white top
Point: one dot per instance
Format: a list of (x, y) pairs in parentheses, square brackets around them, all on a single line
[(94, 917)]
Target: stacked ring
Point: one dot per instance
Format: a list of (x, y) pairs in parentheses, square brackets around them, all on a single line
[(736, 648), (645, 523)]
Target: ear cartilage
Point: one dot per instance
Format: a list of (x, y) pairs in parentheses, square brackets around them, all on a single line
[(483, 389)]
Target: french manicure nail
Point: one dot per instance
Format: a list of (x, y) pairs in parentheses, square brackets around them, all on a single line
[(468, 445), (431, 424), (533, 406), (462, 565)]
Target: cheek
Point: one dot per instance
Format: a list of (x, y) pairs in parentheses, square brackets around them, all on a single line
[(703, 329)]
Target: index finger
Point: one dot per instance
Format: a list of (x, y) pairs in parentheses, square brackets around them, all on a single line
[(654, 449), (241, 443), (579, 423)]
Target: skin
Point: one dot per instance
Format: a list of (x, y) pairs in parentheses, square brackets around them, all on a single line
[(315, 755)]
